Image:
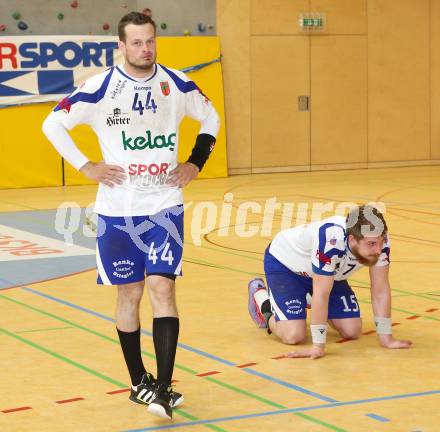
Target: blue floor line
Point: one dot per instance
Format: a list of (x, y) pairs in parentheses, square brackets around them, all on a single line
[(283, 411), (66, 303), (105, 317), (289, 385), (377, 417)]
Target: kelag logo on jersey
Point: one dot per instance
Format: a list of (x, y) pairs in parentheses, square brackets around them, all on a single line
[(147, 141), (32, 68)]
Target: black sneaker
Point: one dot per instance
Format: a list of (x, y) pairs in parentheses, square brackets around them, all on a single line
[(161, 404), (146, 391), (176, 399)]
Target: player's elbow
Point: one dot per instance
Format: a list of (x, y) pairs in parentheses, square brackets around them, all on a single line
[(215, 118), (47, 125), (211, 124), (44, 126)]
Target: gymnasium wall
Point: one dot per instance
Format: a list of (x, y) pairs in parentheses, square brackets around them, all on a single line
[(82, 17), (372, 76)]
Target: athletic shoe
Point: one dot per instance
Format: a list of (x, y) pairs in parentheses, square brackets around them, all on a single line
[(161, 404), (146, 391), (254, 311)]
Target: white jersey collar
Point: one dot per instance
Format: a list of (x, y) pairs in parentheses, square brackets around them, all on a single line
[(121, 69)]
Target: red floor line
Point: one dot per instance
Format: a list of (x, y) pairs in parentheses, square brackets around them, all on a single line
[(369, 332), (395, 324), (246, 365), (413, 317), (343, 340), (208, 373), (118, 391), (69, 400), (431, 310), (279, 357), (11, 410)]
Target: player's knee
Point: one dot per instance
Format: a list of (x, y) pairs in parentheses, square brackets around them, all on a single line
[(131, 292), (350, 332), (292, 337), (162, 290)]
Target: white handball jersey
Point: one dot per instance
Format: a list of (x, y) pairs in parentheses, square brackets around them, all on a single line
[(320, 247), (137, 123)]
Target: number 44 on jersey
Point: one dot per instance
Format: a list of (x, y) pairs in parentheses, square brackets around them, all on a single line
[(138, 103)]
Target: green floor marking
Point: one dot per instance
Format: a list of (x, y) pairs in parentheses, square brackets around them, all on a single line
[(45, 329), (121, 385)]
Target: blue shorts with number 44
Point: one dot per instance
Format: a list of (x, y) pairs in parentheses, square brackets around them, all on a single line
[(288, 290), (130, 247)]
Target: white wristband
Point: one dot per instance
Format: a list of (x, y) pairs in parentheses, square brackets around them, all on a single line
[(319, 333), (383, 325)]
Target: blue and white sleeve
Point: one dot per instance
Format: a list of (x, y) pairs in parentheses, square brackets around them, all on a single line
[(328, 246)]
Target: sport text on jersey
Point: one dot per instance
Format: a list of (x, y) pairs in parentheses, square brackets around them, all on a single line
[(143, 175)]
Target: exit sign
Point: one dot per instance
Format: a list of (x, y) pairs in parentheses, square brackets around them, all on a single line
[(312, 21)]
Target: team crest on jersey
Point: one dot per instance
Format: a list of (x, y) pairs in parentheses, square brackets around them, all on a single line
[(165, 87)]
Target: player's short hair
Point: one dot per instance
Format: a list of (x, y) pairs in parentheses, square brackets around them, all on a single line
[(136, 18), (366, 221)]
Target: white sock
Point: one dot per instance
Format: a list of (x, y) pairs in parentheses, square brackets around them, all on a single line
[(260, 297)]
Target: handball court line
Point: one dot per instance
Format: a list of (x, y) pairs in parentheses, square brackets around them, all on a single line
[(92, 372), (215, 358), (196, 421), (379, 198), (185, 347), (123, 386), (249, 257), (202, 353), (199, 352), (288, 411)]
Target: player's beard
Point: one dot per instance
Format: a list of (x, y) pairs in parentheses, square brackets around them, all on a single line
[(369, 260), (141, 65)]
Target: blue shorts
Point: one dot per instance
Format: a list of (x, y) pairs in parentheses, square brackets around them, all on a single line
[(129, 247), (287, 292)]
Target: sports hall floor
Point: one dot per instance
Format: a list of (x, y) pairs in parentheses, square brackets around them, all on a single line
[(61, 365)]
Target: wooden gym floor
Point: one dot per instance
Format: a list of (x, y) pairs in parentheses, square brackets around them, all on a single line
[(61, 364)]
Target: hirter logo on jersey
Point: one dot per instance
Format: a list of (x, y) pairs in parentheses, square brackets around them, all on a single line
[(165, 87), (116, 118)]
